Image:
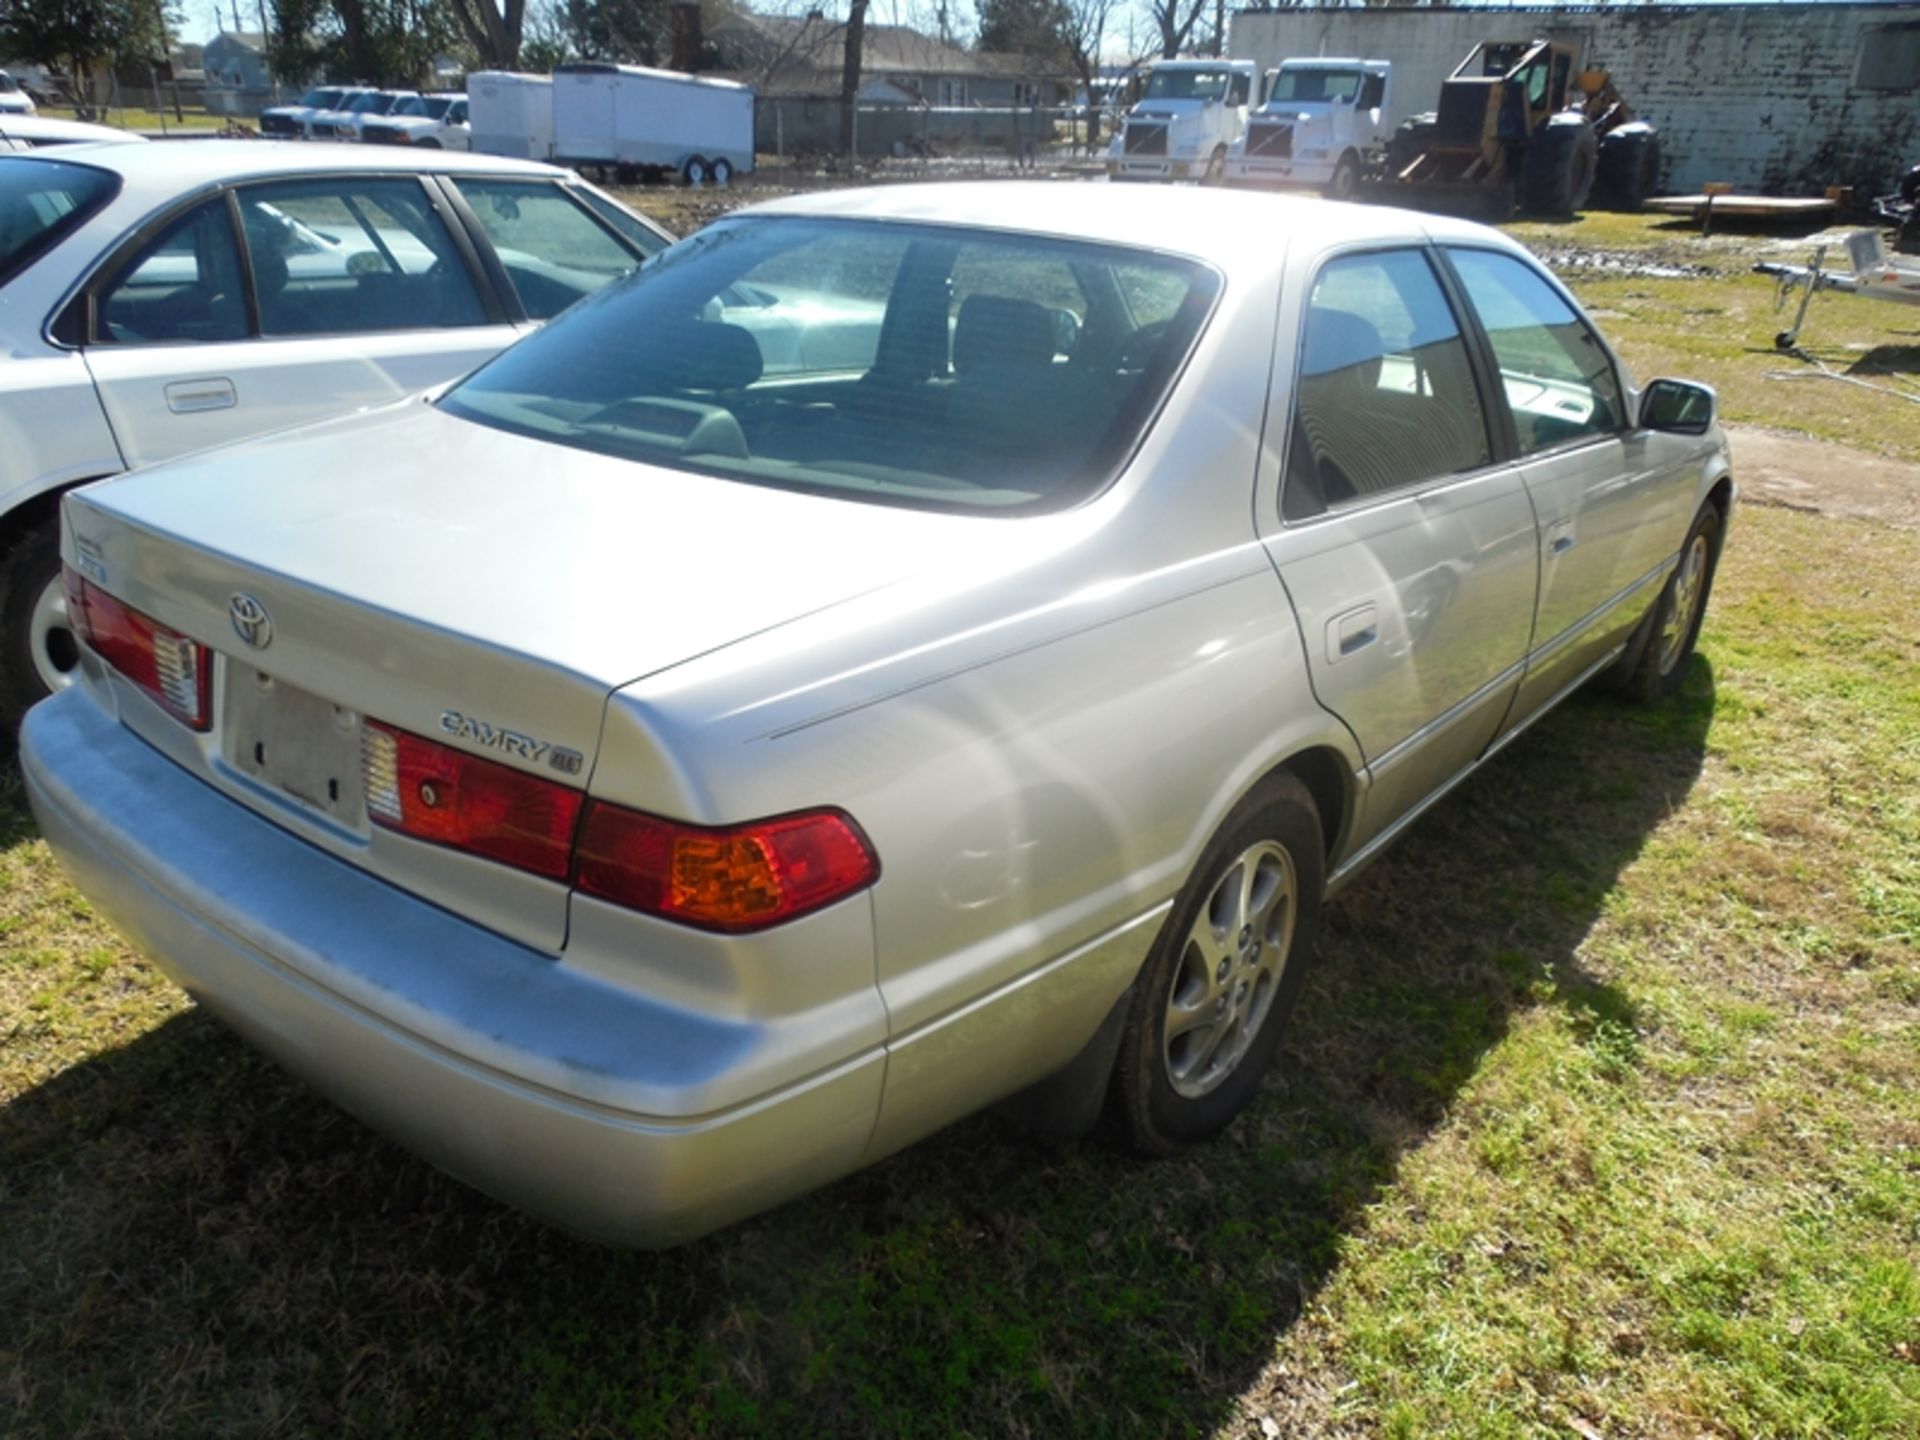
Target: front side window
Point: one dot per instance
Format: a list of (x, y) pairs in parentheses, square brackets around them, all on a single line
[(40, 202), (554, 252), (352, 256), (1387, 397), (916, 365), (184, 285), (1559, 380)]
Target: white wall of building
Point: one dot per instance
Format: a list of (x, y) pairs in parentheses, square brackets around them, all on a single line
[(1780, 98)]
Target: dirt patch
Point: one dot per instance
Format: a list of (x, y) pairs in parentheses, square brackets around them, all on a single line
[(1827, 479)]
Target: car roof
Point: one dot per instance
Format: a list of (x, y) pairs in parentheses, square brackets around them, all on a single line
[(175, 166), (1235, 230), (40, 127)]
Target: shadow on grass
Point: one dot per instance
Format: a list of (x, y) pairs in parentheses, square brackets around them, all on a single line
[(195, 1242)]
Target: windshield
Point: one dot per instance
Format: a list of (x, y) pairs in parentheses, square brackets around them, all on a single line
[(1164, 84), (7, 87), (931, 366), (1315, 85), (42, 200), (430, 106), (321, 99), (372, 104)]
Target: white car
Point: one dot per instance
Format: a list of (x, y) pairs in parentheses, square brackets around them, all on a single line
[(30, 132), (431, 122), (354, 111), (13, 100), (161, 299), (286, 122)]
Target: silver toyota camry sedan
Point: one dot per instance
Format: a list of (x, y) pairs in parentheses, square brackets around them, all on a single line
[(682, 763)]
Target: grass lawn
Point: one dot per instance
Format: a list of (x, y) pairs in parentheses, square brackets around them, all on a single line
[(1601, 1118), (143, 119)]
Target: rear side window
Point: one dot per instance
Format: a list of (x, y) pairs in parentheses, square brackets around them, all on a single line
[(1557, 376), (1386, 396), (40, 202), (554, 252), (183, 286), (352, 256)]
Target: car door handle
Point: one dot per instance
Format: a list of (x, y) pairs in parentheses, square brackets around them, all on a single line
[(190, 397), (1560, 537), (1351, 632)]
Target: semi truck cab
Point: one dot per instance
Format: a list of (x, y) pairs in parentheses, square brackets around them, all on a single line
[(1188, 116), (1322, 123)]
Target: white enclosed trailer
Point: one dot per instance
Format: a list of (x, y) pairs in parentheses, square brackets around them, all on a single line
[(511, 113), (653, 120)]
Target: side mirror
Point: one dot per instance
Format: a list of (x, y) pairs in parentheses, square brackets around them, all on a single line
[(1678, 406)]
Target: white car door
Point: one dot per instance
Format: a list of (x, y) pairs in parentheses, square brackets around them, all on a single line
[(1605, 499), (347, 292)]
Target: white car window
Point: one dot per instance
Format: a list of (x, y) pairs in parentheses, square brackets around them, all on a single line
[(340, 256), (553, 251), (1387, 397), (183, 286), (1558, 379)]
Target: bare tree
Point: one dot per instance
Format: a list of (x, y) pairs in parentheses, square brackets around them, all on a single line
[(1083, 33), (493, 28), (1175, 20)]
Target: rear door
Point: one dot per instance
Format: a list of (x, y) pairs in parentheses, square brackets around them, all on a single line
[(1603, 501), (287, 301), (1407, 545)]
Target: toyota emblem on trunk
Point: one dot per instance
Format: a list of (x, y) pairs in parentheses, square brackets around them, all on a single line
[(250, 620)]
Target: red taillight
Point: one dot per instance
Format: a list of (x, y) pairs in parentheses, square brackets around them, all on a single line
[(445, 796), (741, 877), (174, 670), (734, 878)]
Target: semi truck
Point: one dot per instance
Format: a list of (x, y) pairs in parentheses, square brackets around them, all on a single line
[(1186, 120), (1322, 124)]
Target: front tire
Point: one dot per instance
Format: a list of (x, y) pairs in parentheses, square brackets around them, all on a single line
[(1659, 658), (39, 653), (1345, 180), (1224, 974)]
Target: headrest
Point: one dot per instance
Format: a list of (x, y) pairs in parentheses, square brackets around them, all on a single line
[(994, 331), (703, 355), (1340, 340)]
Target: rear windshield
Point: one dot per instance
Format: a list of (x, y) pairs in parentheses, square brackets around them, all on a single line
[(928, 366), (41, 201)]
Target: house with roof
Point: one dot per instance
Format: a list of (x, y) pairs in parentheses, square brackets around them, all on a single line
[(238, 81)]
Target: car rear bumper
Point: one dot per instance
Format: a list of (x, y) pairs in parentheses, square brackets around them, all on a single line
[(496, 1062)]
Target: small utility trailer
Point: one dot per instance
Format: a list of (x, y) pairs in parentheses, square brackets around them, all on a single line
[(1876, 276), (652, 123)]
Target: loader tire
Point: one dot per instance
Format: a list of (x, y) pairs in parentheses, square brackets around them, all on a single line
[(1560, 165), (1410, 142), (1629, 166)]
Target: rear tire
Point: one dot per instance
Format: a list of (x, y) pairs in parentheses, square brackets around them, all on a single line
[(39, 652), (1224, 975), (721, 171), (1629, 167), (1656, 661), (1562, 159)]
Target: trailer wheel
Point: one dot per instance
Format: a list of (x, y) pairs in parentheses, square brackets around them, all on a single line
[(1629, 165), (694, 172), (721, 171), (1346, 179), (1560, 165)]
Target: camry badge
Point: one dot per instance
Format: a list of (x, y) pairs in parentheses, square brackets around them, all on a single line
[(250, 620)]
